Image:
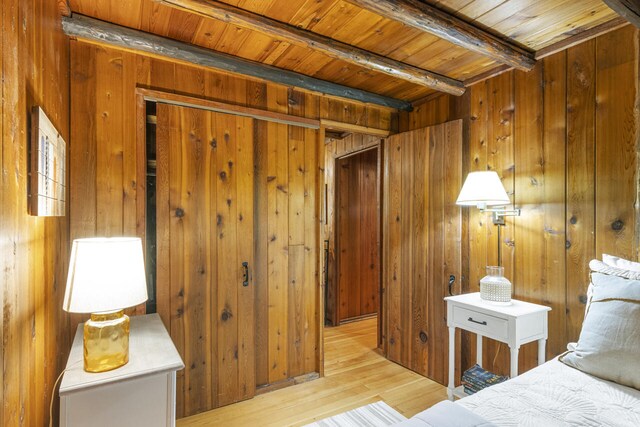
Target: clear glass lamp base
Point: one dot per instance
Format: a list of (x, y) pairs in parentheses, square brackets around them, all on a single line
[(106, 341)]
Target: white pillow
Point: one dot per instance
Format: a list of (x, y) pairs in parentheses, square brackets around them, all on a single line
[(610, 337), (621, 263), (597, 266), (600, 267)]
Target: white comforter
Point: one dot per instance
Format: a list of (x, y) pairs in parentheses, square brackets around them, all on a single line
[(445, 414), (556, 395)]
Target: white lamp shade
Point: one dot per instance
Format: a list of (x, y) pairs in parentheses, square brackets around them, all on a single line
[(483, 189), (105, 274)]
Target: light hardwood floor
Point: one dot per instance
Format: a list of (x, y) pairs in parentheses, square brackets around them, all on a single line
[(355, 375)]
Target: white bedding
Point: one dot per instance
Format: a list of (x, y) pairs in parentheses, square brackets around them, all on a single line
[(445, 414), (556, 395)]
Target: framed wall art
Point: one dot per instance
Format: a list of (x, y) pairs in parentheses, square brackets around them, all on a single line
[(48, 188)]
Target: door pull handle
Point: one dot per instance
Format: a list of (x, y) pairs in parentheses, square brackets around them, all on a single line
[(245, 274)]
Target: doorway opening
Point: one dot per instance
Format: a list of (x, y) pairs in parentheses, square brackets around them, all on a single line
[(354, 186)]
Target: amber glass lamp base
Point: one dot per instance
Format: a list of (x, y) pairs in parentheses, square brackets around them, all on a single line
[(106, 341)]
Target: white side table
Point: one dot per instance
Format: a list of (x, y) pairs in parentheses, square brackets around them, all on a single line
[(516, 324), (140, 393)]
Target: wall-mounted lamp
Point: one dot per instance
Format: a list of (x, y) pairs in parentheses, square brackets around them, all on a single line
[(485, 191)]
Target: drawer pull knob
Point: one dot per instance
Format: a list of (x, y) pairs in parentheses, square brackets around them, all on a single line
[(484, 322)]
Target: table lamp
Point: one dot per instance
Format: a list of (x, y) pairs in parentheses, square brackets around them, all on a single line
[(106, 275)]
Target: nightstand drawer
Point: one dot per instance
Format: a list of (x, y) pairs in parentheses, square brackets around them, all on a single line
[(483, 324)]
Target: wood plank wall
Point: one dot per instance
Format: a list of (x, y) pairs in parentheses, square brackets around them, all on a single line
[(564, 139), (334, 149), (288, 175), (358, 219), (33, 250)]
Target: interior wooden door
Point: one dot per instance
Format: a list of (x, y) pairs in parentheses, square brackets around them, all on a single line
[(422, 244), (357, 235), (205, 193)]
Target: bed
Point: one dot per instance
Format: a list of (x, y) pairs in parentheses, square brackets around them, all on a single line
[(556, 393), (549, 395)]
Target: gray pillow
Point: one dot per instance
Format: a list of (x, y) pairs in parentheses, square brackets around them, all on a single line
[(609, 344)]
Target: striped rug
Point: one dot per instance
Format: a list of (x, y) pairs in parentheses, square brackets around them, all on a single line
[(377, 414)]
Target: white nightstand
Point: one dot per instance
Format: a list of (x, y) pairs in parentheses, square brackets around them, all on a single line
[(140, 393), (515, 324)]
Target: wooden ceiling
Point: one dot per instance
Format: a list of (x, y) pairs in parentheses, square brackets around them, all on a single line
[(531, 24)]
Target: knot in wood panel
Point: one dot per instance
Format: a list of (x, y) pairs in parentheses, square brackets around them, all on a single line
[(226, 314), (193, 138), (423, 336), (617, 225), (179, 212), (213, 143)]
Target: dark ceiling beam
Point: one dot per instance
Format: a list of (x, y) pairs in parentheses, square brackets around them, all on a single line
[(628, 9), (432, 20), (333, 48), (95, 31)]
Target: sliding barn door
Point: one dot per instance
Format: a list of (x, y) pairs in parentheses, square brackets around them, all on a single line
[(205, 237), (422, 244)]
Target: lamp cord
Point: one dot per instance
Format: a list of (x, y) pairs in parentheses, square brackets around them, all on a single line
[(53, 393)]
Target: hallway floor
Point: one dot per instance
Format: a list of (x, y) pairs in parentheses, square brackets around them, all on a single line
[(355, 375)]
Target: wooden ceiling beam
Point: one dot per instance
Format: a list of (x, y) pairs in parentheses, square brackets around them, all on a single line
[(628, 9), (333, 48), (432, 20), (99, 32)]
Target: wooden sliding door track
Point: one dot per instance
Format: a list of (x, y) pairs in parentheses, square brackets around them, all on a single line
[(353, 128), (222, 107)]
